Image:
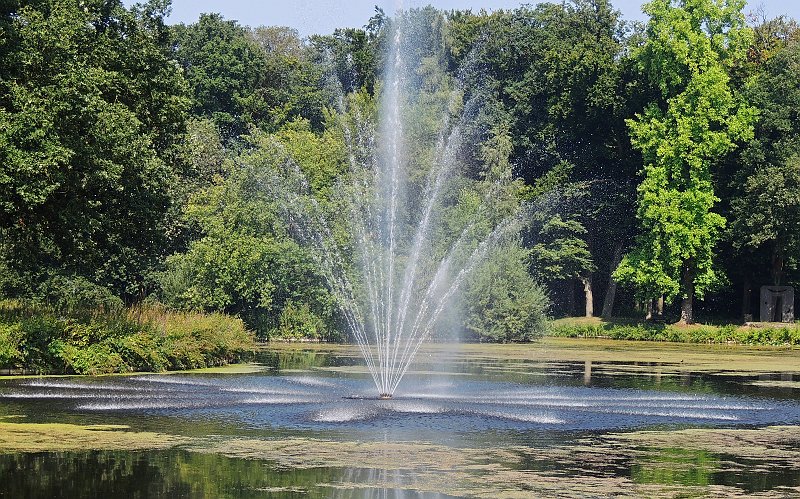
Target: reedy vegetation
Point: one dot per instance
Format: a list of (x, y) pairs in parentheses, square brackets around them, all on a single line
[(117, 340)]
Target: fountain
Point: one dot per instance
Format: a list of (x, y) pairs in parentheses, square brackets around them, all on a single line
[(401, 273)]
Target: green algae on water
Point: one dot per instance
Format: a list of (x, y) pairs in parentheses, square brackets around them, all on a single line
[(60, 437)]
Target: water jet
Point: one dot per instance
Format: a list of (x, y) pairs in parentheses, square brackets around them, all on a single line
[(406, 260)]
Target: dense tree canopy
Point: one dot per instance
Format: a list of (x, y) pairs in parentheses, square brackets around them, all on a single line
[(90, 107), (134, 155), (765, 212)]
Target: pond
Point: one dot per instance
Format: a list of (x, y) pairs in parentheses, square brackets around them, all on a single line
[(561, 418)]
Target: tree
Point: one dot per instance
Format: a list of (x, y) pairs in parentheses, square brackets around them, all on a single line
[(224, 68), (765, 204), (294, 82), (353, 55), (770, 36), (90, 108), (689, 50), (564, 86), (245, 260), (560, 255), (502, 301)]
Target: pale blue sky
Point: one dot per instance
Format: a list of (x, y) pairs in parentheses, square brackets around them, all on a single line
[(323, 16)]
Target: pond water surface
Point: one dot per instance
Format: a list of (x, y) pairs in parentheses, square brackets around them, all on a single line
[(459, 417)]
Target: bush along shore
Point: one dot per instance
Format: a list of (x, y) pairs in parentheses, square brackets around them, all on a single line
[(774, 334), (45, 340)]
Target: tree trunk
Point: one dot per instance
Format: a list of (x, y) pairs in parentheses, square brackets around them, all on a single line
[(649, 316), (687, 315), (660, 306), (570, 304), (777, 266), (746, 301), (611, 292), (587, 291)]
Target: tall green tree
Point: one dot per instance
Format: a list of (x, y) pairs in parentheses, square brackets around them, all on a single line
[(765, 204), (294, 81), (355, 54), (224, 68), (90, 108), (691, 46), (244, 260), (560, 76)]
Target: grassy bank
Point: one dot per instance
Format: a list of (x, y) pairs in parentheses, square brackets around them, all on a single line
[(633, 330), (40, 339)]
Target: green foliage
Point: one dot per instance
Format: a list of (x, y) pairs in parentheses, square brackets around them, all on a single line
[(243, 78), (90, 105), (322, 157), (639, 331), (223, 67), (294, 83), (11, 340), (297, 321), (246, 262), (502, 302), (768, 212), (556, 70), (765, 204), (558, 75), (560, 252), (97, 358), (355, 53), (99, 342), (75, 294), (687, 53)]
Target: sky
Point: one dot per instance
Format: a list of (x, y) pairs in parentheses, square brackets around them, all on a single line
[(323, 16)]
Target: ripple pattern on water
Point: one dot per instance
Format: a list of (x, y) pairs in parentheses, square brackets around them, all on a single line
[(345, 402)]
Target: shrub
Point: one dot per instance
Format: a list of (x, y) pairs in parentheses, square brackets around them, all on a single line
[(142, 352), (579, 328), (298, 321), (98, 358), (140, 339)]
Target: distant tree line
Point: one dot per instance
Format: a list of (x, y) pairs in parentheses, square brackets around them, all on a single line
[(664, 157)]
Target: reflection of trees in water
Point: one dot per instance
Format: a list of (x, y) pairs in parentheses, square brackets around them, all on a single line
[(379, 484), (376, 483), (178, 473), (184, 474), (675, 466), (175, 473), (305, 359)]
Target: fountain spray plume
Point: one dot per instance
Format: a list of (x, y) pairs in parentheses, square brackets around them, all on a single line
[(402, 271)]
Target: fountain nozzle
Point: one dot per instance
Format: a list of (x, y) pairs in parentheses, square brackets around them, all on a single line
[(385, 396)]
